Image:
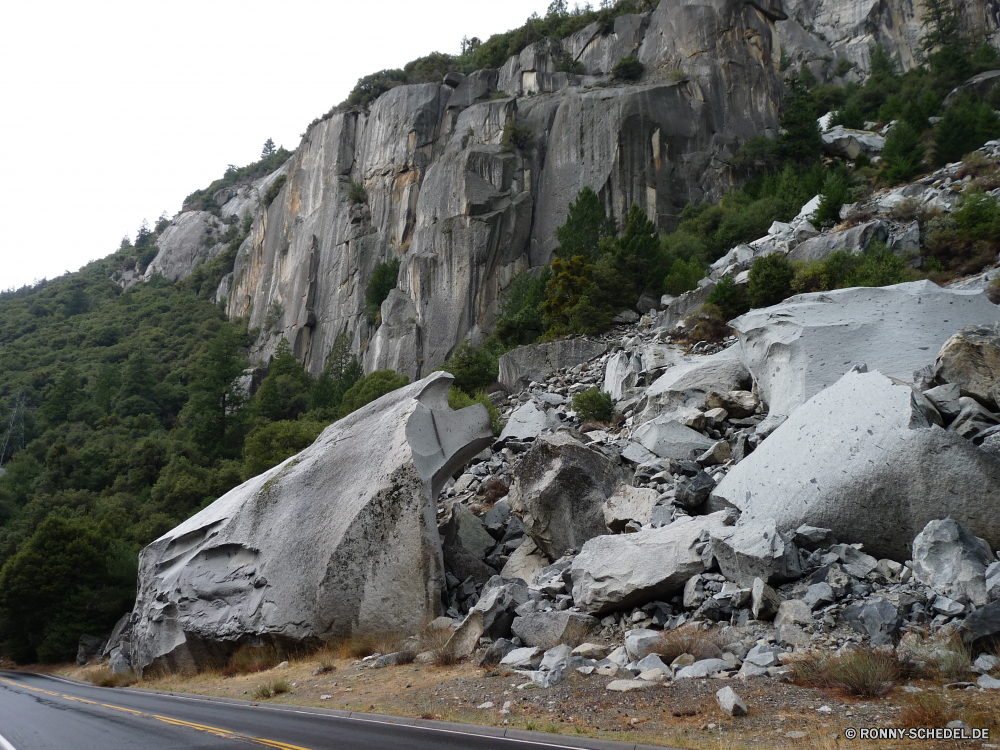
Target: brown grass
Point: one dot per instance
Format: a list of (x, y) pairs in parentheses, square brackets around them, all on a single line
[(269, 690), (104, 678), (925, 710), (862, 672), (947, 658), (360, 645), (707, 323), (491, 491), (908, 210), (249, 659), (690, 639)]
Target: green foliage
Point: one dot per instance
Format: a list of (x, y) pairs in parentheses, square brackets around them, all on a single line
[(729, 298), (270, 444), (459, 399), (515, 136), (69, 577), (274, 312), (587, 223), (770, 280), (683, 276), (569, 304), (342, 371), (520, 319), (969, 239), (637, 254), (284, 394), (356, 193), (204, 200), (628, 69), (369, 388), (214, 411), (903, 153), (838, 189), (274, 189), (966, 126), (474, 368), (801, 142), (383, 281), (593, 405), (877, 266)]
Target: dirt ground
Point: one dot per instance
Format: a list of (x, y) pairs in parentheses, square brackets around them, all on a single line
[(683, 714)]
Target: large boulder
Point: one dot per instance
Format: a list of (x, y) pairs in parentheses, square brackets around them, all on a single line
[(630, 504), (549, 629), (615, 572), (848, 143), (971, 359), (668, 438), (535, 362), (756, 550), (854, 240), (859, 453), (688, 382), (559, 491), (528, 422), (805, 344), (952, 561), (338, 539)]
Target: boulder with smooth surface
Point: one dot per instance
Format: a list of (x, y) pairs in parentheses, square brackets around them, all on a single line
[(535, 362), (549, 629), (629, 504), (861, 452), (971, 359), (340, 538), (952, 561), (613, 572), (756, 550)]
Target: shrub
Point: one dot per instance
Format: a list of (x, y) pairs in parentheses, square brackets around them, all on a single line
[(249, 659), (519, 320), (356, 193), (838, 189), (690, 639), (594, 405), (925, 710), (103, 677), (384, 279), (810, 276), (474, 368), (902, 153), (729, 298), (269, 690), (628, 69), (369, 388), (683, 276), (515, 136), (459, 399), (770, 280), (966, 126), (274, 312), (863, 672), (707, 323), (270, 444), (274, 189)]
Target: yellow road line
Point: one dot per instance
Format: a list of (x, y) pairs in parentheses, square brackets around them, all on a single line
[(166, 719)]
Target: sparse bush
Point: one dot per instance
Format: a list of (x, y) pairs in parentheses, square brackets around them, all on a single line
[(356, 193), (274, 312), (249, 659), (690, 639), (628, 69), (729, 297), (683, 276), (515, 136), (492, 491), (810, 276), (269, 690), (274, 189), (966, 126), (594, 405), (770, 280), (925, 710), (707, 323), (862, 672), (384, 279), (838, 189)]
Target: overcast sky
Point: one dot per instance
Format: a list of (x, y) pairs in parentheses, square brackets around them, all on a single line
[(113, 112)]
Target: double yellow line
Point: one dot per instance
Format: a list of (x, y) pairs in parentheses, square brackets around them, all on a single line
[(166, 719)]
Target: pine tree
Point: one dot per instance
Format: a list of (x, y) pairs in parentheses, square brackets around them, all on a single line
[(801, 141), (268, 150), (637, 253), (217, 395), (586, 225)]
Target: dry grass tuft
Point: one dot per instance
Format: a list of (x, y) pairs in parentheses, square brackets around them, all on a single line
[(492, 491), (949, 658), (249, 659), (862, 672), (269, 690), (360, 645), (925, 710), (104, 678), (691, 639)]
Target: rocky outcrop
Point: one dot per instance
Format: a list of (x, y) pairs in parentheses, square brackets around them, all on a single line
[(970, 360), (533, 363), (796, 349), (338, 538), (858, 453)]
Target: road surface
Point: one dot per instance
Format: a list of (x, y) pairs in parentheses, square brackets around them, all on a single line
[(39, 712)]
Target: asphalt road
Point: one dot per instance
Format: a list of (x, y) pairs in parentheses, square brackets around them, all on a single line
[(39, 712)]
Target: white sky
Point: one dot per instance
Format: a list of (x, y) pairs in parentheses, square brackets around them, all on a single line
[(112, 112)]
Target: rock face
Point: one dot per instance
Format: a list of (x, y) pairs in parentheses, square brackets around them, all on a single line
[(612, 572), (463, 214), (535, 362), (559, 491), (338, 538), (796, 349), (861, 452)]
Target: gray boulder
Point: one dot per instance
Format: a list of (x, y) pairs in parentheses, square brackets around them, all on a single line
[(805, 344), (559, 490), (756, 550), (849, 144), (879, 619), (316, 547), (688, 382), (89, 647), (858, 453), (528, 422), (467, 531), (764, 601), (730, 702), (854, 240), (629, 504), (535, 362), (971, 359), (704, 668), (613, 572), (668, 438), (641, 642), (982, 627), (952, 561), (118, 661), (497, 602), (527, 657), (548, 629)]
